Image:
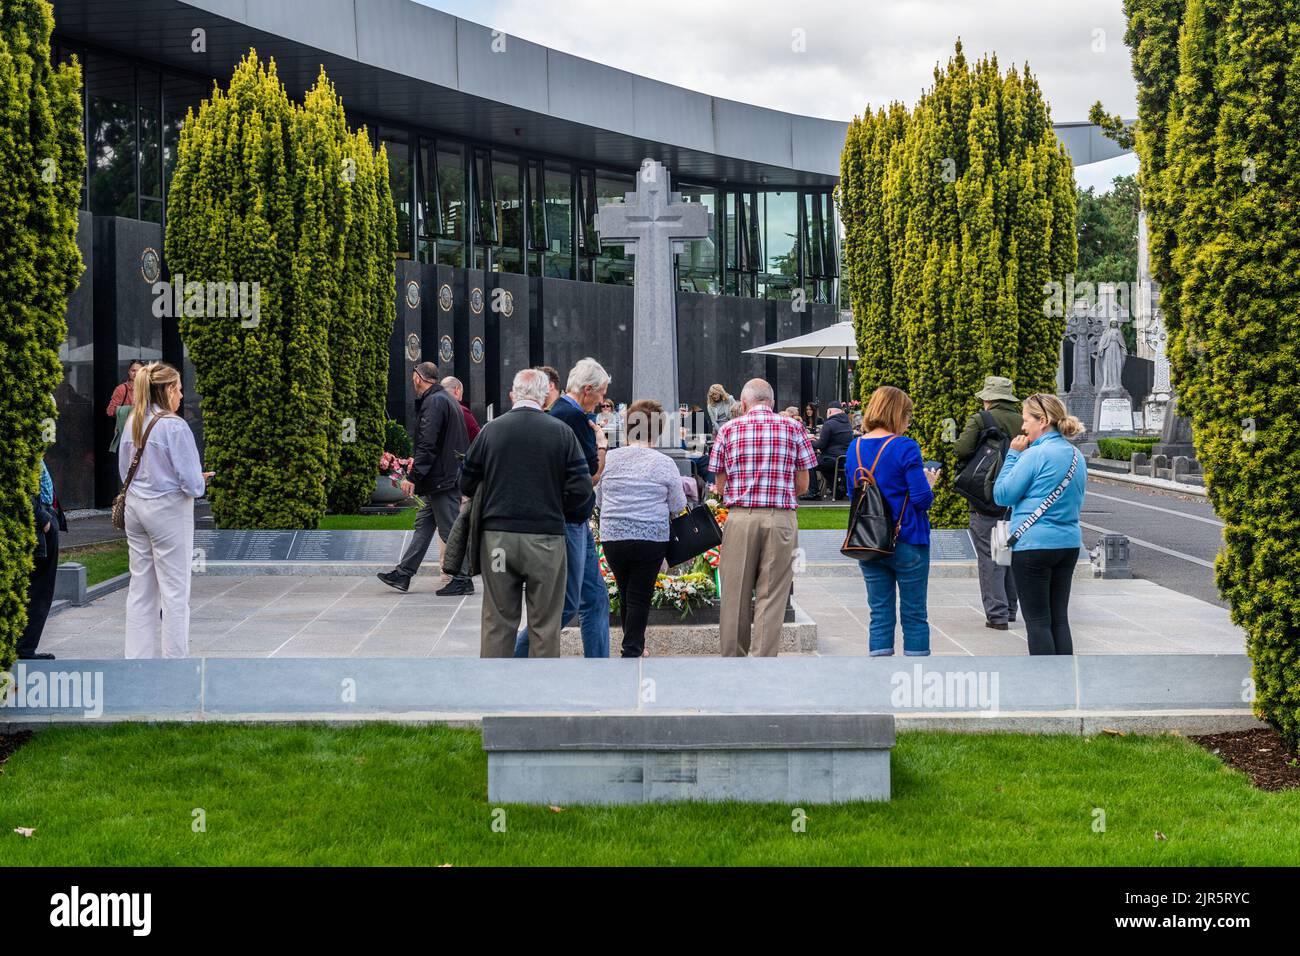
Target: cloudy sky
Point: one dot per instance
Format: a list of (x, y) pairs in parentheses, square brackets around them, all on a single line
[(834, 59)]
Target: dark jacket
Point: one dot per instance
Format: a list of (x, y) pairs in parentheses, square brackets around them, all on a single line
[(580, 422), (833, 440), (44, 515), (1007, 416), (439, 434), (464, 539), (528, 469)]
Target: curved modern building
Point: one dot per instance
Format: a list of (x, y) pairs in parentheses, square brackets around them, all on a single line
[(501, 152)]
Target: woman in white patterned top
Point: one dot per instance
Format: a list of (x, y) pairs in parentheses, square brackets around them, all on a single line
[(159, 515), (639, 491)]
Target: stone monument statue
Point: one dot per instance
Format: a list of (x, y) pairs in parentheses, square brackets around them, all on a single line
[(1111, 352), (1113, 411)]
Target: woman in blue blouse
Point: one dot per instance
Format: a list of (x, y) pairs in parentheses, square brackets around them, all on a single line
[(1044, 557), (905, 483)]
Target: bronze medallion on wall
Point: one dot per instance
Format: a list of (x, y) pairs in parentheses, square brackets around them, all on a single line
[(150, 265), (413, 347), (476, 350), (413, 294), (445, 351), (476, 301), (507, 303), (444, 297)]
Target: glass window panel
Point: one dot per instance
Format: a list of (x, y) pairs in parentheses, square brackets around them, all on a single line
[(111, 92), (588, 240), (697, 267), (613, 264), (558, 261), (830, 248), (427, 207), (508, 189), (151, 210), (537, 224), (485, 230), (781, 233), (179, 96), (150, 116), (451, 190), (731, 233), (401, 182)]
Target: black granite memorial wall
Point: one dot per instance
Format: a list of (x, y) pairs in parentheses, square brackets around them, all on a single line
[(127, 262), (406, 350), (474, 349), (71, 458), (713, 333), (508, 336)]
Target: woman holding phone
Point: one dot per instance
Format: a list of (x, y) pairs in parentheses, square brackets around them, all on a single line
[(900, 579)]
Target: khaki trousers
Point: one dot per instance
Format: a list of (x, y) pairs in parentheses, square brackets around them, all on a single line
[(516, 566), (757, 557)]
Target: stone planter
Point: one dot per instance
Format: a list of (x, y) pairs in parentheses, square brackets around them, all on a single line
[(671, 617), (387, 491)]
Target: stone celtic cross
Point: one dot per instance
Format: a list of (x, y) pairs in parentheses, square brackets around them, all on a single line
[(653, 224)]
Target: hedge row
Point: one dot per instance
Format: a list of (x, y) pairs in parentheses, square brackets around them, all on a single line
[(284, 196), (1218, 107), (957, 214), (1123, 449), (42, 156)]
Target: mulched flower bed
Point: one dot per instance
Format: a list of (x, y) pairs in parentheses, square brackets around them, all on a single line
[(11, 742), (1262, 754)]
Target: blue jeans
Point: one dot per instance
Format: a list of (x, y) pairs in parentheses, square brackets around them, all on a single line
[(585, 594), (907, 573)]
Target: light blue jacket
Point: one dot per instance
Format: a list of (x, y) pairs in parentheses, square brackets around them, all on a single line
[(1030, 476)]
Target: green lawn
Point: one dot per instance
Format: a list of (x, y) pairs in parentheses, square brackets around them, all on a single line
[(127, 794), (809, 519), (403, 520), (102, 561)]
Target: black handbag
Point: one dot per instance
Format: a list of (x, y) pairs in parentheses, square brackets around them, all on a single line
[(872, 529), (691, 534)]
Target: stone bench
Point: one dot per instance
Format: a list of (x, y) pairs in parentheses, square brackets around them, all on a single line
[(755, 758)]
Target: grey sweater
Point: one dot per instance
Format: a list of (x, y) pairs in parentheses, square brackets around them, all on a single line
[(639, 490)]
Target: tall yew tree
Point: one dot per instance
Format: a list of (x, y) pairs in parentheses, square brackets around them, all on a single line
[(956, 216), (284, 196), (1217, 114), (42, 158)]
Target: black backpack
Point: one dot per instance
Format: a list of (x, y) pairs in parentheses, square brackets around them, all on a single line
[(872, 528), (976, 479)]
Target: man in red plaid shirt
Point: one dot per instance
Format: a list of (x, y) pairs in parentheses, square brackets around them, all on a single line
[(762, 461)]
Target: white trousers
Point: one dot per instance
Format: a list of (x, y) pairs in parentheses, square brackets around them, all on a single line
[(160, 536)]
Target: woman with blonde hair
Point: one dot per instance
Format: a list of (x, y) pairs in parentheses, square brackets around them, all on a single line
[(1042, 482), (903, 577), (161, 482), (719, 404)]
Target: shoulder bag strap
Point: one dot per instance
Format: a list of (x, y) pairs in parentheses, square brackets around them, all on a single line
[(987, 418), (135, 459), (906, 497), (1047, 502)]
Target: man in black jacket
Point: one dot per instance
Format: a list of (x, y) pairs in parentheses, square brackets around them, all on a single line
[(832, 442), (530, 472), (440, 440)]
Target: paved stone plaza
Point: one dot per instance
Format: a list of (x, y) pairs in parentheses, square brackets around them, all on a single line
[(356, 616)]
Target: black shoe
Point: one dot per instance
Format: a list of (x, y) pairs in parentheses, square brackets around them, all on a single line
[(395, 580), (36, 657), (996, 625), (457, 587)]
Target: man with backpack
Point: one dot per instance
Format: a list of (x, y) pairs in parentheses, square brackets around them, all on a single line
[(980, 450)]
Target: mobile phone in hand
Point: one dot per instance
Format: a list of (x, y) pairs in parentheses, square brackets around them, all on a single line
[(931, 465)]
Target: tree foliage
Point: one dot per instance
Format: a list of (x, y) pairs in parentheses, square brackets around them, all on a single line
[(284, 196), (957, 213), (42, 156), (1218, 106)]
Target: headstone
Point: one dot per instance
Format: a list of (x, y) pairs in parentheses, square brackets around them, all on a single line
[(653, 224), (1114, 405), (1176, 436), (1082, 327)]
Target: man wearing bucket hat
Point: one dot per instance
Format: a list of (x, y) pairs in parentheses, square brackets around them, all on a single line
[(997, 585)]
